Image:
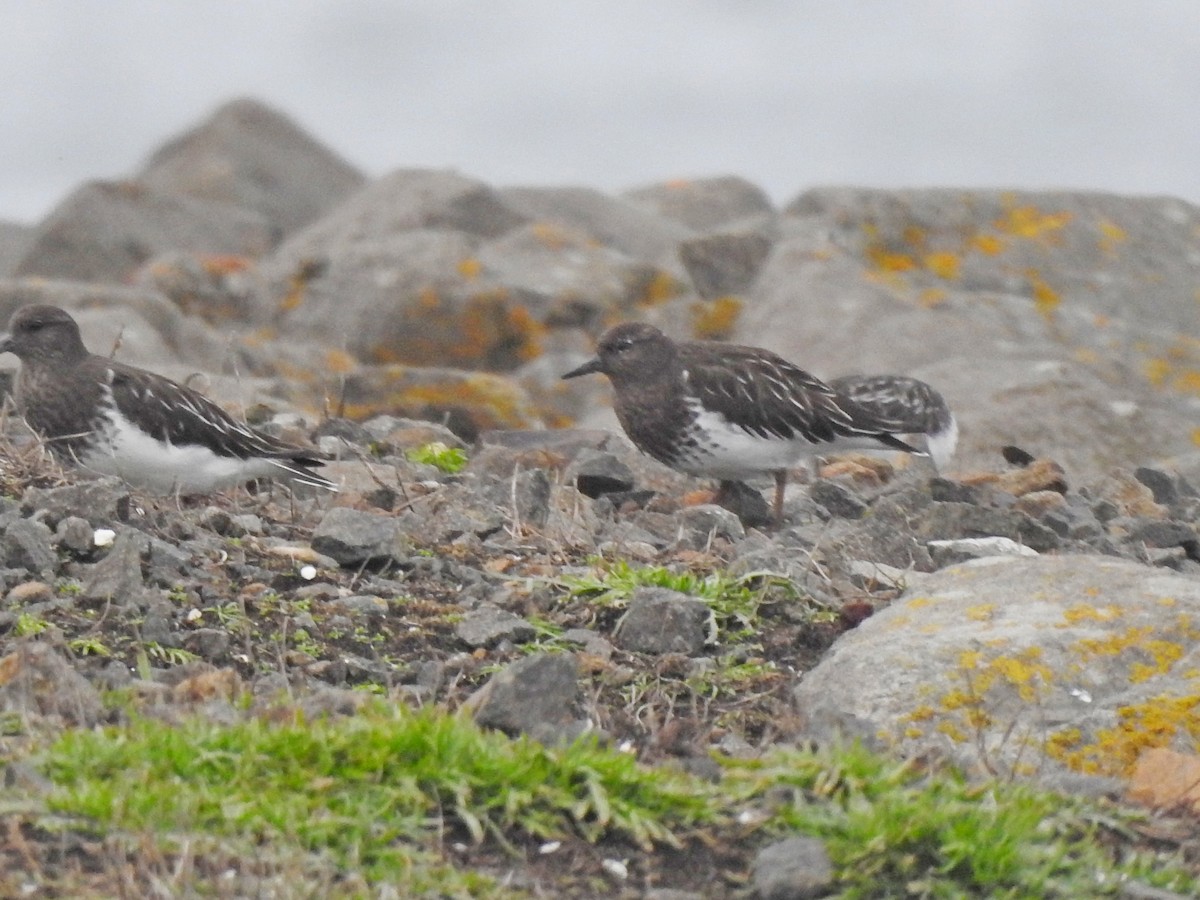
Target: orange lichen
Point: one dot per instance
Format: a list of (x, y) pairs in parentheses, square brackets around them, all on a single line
[(339, 362), (1086, 612), (1045, 298), (1031, 223), (988, 244), (221, 264), (470, 268), (943, 264), (889, 261), (550, 236), (659, 288), (982, 612), (932, 297), (716, 319), (1156, 722), (1111, 234)]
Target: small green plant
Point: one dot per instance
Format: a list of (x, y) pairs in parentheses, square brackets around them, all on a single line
[(445, 458), (172, 656), (734, 599), (29, 625), (68, 587), (89, 645)]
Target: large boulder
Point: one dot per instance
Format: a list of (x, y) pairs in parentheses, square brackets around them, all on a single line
[(1019, 666), (1057, 321), (106, 229), (251, 156)]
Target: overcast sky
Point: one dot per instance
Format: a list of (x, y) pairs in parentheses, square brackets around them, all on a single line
[(788, 93)]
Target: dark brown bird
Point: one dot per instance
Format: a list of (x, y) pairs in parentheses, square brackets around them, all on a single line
[(116, 419), (726, 411)]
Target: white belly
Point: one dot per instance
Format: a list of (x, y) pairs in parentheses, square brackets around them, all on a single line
[(160, 468), (729, 452)]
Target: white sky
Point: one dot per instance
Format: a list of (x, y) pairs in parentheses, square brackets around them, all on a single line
[(788, 93)]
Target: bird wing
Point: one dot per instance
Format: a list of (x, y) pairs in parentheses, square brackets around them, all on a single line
[(899, 403), (770, 397), (171, 412)]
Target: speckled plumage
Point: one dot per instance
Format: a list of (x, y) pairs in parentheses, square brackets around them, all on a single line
[(727, 411), (121, 420), (907, 407)]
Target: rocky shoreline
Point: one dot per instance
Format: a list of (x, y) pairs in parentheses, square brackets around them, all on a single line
[(1031, 619)]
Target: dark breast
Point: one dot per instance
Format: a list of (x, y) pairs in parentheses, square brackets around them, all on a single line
[(65, 413), (657, 419)]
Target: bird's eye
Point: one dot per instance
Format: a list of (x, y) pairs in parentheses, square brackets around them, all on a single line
[(623, 344)]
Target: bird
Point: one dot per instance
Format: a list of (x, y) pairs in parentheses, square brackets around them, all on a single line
[(116, 419), (908, 407), (728, 411)]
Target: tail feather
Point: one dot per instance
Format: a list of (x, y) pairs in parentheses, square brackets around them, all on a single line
[(301, 472)]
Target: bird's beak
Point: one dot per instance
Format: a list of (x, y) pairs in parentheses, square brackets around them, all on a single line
[(592, 365), (6, 343)]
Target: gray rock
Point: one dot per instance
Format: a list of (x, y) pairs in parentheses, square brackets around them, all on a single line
[(166, 561), (76, 534), (1164, 485), (252, 156), (158, 625), (838, 499), (117, 578), (39, 679), (1017, 666), (704, 203), (1159, 533), (610, 221), (104, 230), (28, 544), (14, 242), (99, 501), (952, 521), (210, 644), (487, 625), (724, 264), (453, 512), (947, 553), (352, 537), (927, 282), (388, 276), (524, 496), (564, 277), (700, 525), (596, 472), (793, 869), (886, 536), (468, 402), (228, 524), (529, 694), (660, 620)]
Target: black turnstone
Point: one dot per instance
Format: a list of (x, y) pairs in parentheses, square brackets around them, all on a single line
[(116, 419), (907, 407), (725, 411)]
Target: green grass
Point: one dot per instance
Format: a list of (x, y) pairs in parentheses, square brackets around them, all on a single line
[(894, 830), (379, 795), (735, 600), (365, 789)]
